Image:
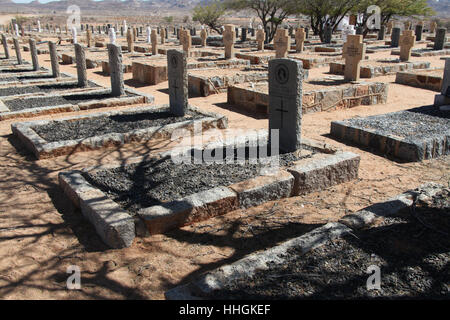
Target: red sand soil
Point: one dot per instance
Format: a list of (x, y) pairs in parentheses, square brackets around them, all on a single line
[(42, 233)]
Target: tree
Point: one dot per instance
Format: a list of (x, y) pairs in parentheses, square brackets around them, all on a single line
[(210, 15), (390, 8), (168, 19), (270, 12), (323, 12)]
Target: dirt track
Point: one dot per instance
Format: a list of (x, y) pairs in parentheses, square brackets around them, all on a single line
[(42, 233)]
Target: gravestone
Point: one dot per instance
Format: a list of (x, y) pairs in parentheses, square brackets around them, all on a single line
[(443, 99), (80, 59), (154, 37), (203, 36), (112, 35), (300, 37), (439, 41), (307, 32), (178, 82), (419, 30), (390, 25), (17, 48), (359, 30), (74, 35), (186, 41), (130, 40), (244, 34), (267, 34), (327, 34), (116, 69), (88, 38), (54, 59), (163, 35), (236, 32), (407, 42), (229, 37), (34, 54), (281, 43), (5, 46), (395, 37), (260, 38), (381, 33), (354, 50), (285, 102), (348, 29), (433, 26), (148, 34)]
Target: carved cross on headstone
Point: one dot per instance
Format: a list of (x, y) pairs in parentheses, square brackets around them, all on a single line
[(260, 37), (282, 43), (407, 42), (354, 51), (229, 37), (300, 36)]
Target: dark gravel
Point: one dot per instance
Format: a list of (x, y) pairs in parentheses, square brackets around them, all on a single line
[(155, 181), (11, 91), (412, 252), (38, 102), (85, 128), (417, 123)]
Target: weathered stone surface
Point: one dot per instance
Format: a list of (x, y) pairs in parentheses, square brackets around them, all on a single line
[(116, 70), (54, 59), (395, 37), (178, 81), (5, 46), (17, 48), (354, 51), (80, 58), (34, 54), (439, 41)]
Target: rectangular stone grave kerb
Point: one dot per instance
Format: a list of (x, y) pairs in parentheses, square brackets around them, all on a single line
[(285, 102), (178, 81)]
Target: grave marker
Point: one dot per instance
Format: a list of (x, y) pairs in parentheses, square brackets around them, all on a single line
[(285, 101), (34, 55), (17, 48), (74, 35), (260, 37), (5, 46), (163, 35), (381, 33), (154, 37), (80, 59), (186, 41), (88, 37), (354, 50), (54, 59), (433, 27), (112, 35), (395, 37), (300, 37), (178, 81), (281, 43), (116, 69), (419, 30), (407, 42), (203, 36), (439, 41), (130, 41), (229, 37), (148, 32)]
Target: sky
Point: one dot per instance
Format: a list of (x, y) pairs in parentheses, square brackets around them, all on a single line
[(42, 1)]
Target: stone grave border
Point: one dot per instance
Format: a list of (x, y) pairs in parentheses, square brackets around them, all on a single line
[(137, 98), (416, 150), (420, 80), (430, 53), (118, 228), (205, 284), (332, 98), (43, 149), (378, 71)]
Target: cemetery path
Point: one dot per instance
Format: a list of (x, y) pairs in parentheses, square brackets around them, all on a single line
[(42, 233)]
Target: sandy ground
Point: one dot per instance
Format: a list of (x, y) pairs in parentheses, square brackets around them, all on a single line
[(42, 233)]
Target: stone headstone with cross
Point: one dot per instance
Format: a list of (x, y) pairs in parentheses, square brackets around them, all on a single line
[(178, 82), (407, 42), (116, 69), (154, 38), (354, 51), (260, 37), (300, 36), (203, 36), (281, 43), (285, 102), (229, 37), (439, 40)]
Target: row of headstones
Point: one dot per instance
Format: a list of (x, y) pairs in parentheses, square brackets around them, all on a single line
[(439, 39)]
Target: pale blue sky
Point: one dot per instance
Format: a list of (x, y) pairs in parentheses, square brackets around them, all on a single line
[(42, 1)]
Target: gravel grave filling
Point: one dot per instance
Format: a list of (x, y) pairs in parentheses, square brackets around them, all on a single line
[(121, 123), (422, 123), (412, 251), (39, 102), (155, 181), (11, 91)]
